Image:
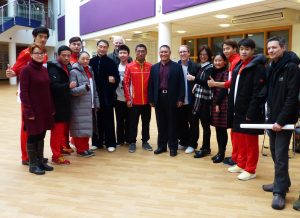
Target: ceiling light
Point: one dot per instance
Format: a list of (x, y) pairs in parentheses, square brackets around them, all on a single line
[(221, 16), (224, 25), (137, 32), (180, 31), (128, 39)]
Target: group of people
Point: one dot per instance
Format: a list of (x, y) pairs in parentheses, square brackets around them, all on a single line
[(76, 95)]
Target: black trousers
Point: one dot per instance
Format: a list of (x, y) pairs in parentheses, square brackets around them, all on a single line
[(106, 128), (134, 113), (188, 127), (205, 119), (166, 119), (222, 139), (279, 145), (122, 118), (32, 139)]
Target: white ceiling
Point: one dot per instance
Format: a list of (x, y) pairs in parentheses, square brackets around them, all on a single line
[(208, 24)]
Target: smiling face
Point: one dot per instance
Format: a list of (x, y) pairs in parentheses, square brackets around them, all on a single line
[(123, 55), (219, 62), (84, 59), (164, 54), (246, 52), (102, 48), (275, 51), (38, 55), (228, 50), (184, 53), (203, 56)]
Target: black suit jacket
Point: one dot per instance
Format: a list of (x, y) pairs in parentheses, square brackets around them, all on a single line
[(176, 85)]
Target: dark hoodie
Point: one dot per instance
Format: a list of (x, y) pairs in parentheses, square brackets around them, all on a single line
[(248, 102), (283, 89), (60, 90)]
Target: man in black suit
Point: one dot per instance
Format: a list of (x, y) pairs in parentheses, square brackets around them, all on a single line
[(166, 94)]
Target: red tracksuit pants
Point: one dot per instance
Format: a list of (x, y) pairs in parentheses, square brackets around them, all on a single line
[(245, 150), (59, 138), (81, 143)]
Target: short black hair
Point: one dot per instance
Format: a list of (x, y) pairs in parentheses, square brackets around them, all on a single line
[(280, 40), (103, 40), (83, 52), (124, 48), (246, 42), (221, 54), (141, 46), (63, 48), (39, 30), (208, 51), (165, 46), (75, 39)]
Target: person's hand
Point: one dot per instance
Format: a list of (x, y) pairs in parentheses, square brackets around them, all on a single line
[(151, 104), (179, 103), (217, 108), (190, 77), (88, 87), (31, 118), (211, 82), (73, 84), (111, 79), (9, 72), (129, 104), (193, 90), (276, 127)]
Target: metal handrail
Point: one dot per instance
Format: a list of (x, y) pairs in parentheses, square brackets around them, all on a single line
[(30, 9)]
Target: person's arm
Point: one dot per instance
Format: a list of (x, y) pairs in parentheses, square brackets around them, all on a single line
[(151, 87), (24, 94), (57, 86), (80, 89), (181, 84), (291, 100), (126, 86)]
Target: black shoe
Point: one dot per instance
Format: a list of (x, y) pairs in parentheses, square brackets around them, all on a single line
[(173, 153), (202, 153), (45, 160), (218, 158), (46, 167), (36, 170), (296, 205), (160, 150), (229, 161), (268, 187), (25, 162), (278, 202)]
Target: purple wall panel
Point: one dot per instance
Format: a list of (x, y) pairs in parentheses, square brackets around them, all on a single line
[(61, 28), (174, 5), (97, 15)]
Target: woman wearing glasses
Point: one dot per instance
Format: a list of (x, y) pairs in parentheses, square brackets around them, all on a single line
[(38, 108)]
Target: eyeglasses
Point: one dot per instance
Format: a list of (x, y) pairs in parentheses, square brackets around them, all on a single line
[(182, 52), (39, 53)]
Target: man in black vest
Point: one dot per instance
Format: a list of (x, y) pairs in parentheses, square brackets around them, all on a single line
[(282, 98), (166, 94)]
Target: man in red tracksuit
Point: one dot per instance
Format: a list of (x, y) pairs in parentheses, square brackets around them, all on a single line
[(136, 79), (40, 36), (59, 71)]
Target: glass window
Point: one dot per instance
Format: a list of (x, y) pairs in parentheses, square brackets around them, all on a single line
[(237, 38), (258, 38), (282, 33), (190, 43), (200, 42), (217, 44)]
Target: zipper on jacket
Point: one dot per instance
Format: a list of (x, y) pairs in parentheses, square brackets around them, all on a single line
[(142, 69)]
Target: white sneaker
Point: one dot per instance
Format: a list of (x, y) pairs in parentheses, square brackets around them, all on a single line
[(111, 149), (246, 176), (235, 169), (93, 148), (180, 147), (189, 150)]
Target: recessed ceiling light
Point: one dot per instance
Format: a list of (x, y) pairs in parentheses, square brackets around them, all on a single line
[(224, 25), (221, 16), (250, 34), (114, 36), (128, 39), (180, 31), (137, 32)]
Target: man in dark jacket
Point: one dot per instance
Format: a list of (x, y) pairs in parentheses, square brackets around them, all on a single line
[(246, 106), (107, 80), (60, 86), (186, 119), (166, 93), (282, 98)]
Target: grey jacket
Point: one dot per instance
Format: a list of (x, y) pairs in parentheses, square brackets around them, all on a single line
[(81, 123)]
